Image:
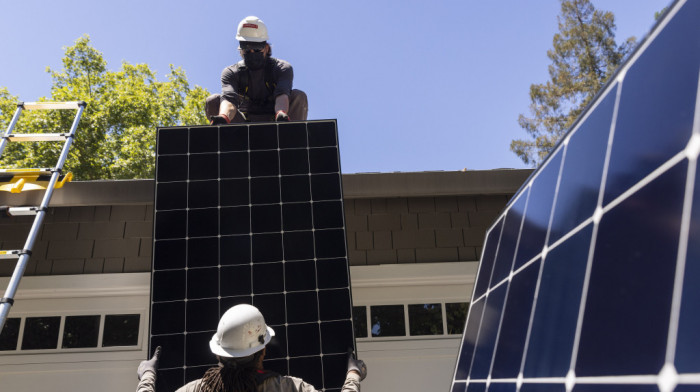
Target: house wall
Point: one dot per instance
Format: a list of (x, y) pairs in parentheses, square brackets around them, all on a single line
[(113, 369), (390, 359), (84, 240), (118, 238), (413, 238), (419, 229)]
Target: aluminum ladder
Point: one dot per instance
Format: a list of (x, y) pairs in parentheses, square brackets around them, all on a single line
[(28, 179)]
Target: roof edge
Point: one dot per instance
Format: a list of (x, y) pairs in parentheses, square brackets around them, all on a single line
[(438, 183), (355, 186)]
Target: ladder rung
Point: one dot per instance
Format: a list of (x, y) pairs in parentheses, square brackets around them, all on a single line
[(10, 254), (51, 105), (37, 137), (20, 211)]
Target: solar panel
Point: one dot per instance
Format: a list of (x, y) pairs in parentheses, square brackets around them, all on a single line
[(251, 213), (590, 278)]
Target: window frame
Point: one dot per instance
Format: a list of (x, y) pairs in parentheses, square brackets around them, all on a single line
[(411, 284), (80, 295), (407, 327), (61, 329)]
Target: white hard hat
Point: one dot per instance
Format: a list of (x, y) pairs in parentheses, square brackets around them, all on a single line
[(252, 29), (242, 332)]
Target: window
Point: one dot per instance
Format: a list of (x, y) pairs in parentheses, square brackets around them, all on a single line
[(10, 334), (425, 319), (388, 320), (456, 317), (80, 331), (412, 320), (121, 330), (359, 320), (40, 333)]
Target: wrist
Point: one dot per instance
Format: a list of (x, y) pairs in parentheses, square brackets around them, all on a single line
[(228, 120), (354, 375)]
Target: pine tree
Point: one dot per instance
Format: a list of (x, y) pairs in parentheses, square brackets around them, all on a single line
[(584, 56)]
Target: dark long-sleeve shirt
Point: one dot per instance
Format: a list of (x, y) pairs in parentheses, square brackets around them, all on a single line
[(259, 101)]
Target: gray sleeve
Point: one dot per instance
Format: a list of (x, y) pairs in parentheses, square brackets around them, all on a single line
[(147, 382), (190, 386), (294, 384), (284, 75), (352, 383), (229, 81)]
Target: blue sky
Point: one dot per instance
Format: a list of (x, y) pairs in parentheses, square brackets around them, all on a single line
[(415, 85)]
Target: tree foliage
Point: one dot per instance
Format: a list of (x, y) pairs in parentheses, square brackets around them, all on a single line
[(659, 14), (583, 57), (116, 135)]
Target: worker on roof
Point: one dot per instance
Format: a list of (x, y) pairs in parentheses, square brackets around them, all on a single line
[(259, 87), (239, 345)]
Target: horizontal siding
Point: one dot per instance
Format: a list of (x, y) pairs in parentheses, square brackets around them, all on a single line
[(115, 239)]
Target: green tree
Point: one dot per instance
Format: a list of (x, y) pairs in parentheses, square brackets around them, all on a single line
[(116, 136), (583, 58), (659, 14)]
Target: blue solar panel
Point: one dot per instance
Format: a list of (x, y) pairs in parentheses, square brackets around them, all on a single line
[(251, 213), (590, 279)]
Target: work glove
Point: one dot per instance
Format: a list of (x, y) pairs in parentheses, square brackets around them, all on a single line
[(151, 364), (281, 116), (357, 365), (219, 120)]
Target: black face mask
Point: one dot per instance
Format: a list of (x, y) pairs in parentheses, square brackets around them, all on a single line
[(255, 60)]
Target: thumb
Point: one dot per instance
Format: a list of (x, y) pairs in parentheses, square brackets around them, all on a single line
[(156, 353)]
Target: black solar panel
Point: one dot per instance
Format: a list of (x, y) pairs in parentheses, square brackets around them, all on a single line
[(251, 213), (590, 279)]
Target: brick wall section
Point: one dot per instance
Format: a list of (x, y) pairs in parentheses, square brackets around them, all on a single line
[(420, 229), (83, 240), (116, 239)]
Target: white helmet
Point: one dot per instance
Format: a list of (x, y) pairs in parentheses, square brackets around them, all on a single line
[(242, 332), (252, 29)]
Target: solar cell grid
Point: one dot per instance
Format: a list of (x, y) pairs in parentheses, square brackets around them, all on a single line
[(251, 213), (603, 289)]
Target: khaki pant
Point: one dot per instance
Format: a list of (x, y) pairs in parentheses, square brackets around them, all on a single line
[(298, 109)]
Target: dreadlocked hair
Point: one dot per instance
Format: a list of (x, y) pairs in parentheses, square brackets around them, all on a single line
[(232, 375)]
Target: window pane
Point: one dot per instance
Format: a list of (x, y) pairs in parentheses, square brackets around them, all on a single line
[(359, 320), (121, 330), (388, 320), (425, 319), (81, 331), (9, 335), (456, 317), (41, 333)]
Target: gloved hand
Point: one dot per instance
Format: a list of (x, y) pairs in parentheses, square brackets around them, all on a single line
[(281, 116), (357, 365), (151, 364), (220, 119)]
